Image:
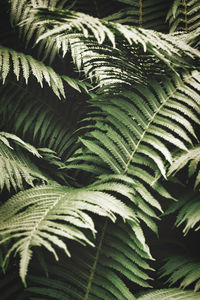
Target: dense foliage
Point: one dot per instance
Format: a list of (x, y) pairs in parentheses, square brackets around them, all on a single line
[(99, 149)]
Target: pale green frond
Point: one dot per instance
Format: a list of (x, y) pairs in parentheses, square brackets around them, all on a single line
[(165, 294), (16, 168), (85, 39), (31, 217), (25, 65)]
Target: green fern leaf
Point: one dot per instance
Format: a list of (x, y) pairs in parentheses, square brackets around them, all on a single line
[(31, 217), (15, 165), (26, 64), (165, 294), (181, 269), (95, 273)]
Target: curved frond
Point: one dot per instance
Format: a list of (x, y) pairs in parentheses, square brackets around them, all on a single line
[(79, 32), (165, 294), (183, 270), (15, 166), (134, 134), (25, 65), (95, 273), (45, 215)]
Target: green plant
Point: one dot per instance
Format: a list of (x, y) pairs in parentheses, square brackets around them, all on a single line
[(99, 118)]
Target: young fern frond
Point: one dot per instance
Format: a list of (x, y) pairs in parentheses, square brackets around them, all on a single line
[(16, 168), (33, 218), (24, 65), (166, 294), (182, 269)]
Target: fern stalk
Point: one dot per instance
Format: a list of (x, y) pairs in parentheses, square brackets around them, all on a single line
[(96, 260)]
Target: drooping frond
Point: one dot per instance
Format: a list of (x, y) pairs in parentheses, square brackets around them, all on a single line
[(96, 273), (47, 124), (184, 15), (45, 215), (15, 166), (182, 269), (166, 294), (25, 65), (134, 134), (145, 13), (68, 25)]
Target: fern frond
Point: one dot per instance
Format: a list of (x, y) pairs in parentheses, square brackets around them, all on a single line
[(68, 22), (191, 159), (147, 14), (184, 15), (24, 65), (165, 294), (134, 134), (35, 218), (182, 269), (96, 273), (15, 166), (45, 124)]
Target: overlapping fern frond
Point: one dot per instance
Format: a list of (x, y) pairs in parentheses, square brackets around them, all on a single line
[(183, 270), (42, 123), (165, 294), (184, 15), (134, 134), (15, 166), (147, 14), (191, 159), (68, 23), (25, 65), (97, 272), (45, 215)]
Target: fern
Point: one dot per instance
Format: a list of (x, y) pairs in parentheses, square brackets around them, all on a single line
[(165, 294), (182, 269), (191, 159), (184, 15), (33, 217), (130, 140), (147, 14), (15, 166), (24, 65), (78, 30), (95, 274), (139, 128)]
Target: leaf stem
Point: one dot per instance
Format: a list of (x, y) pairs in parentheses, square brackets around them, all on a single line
[(96, 260), (140, 14), (185, 13)]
